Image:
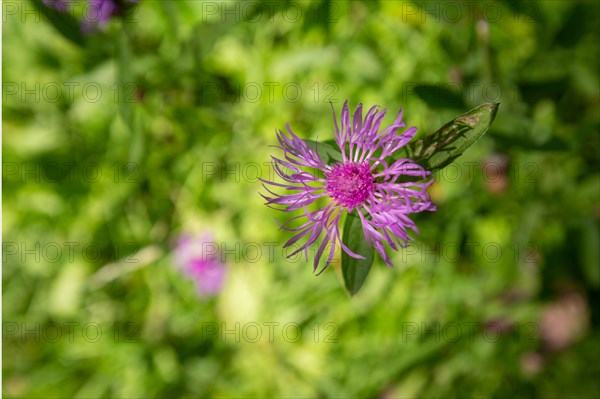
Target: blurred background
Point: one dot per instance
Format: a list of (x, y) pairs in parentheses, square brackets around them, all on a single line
[(140, 261)]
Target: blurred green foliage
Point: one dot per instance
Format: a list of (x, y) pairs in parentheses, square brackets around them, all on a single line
[(189, 97)]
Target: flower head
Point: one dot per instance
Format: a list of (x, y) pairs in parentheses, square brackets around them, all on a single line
[(367, 183), (198, 258)]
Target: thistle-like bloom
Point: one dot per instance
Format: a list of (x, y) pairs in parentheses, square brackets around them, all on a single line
[(199, 259), (367, 183)]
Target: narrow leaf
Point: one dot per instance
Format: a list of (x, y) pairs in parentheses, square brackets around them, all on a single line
[(355, 271), (63, 22), (125, 77), (439, 149)]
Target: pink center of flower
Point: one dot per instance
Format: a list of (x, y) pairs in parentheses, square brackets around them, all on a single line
[(350, 184)]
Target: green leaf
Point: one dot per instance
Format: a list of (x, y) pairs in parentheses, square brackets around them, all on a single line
[(63, 22), (327, 150), (125, 77), (439, 149), (355, 271)]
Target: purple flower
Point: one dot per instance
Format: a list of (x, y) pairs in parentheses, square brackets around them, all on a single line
[(198, 258), (367, 183), (60, 5), (101, 11)]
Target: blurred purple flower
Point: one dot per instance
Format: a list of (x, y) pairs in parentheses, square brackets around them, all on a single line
[(98, 12), (368, 183), (101, 11), (60, 5), (198, 258)]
